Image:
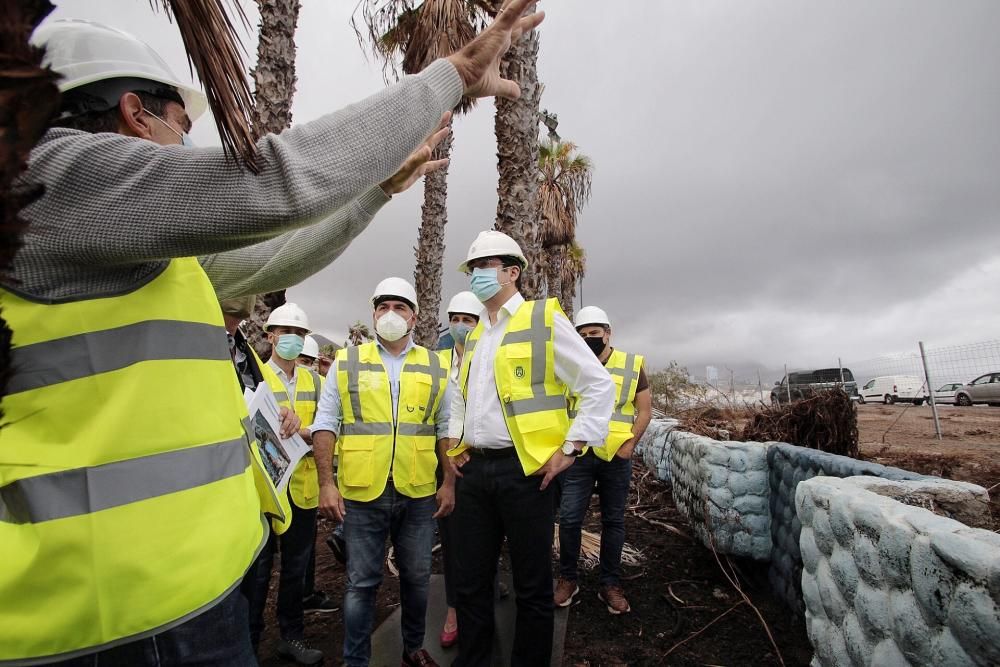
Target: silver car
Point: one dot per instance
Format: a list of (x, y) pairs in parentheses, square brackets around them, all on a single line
[(945, 394), (984, 389)]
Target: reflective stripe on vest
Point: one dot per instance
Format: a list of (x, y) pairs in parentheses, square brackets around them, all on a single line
[(373, 441), (70, 493), (123, 455), (537, 419), (624, 365)]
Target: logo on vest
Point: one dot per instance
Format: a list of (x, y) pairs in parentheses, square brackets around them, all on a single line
[(519, 372)]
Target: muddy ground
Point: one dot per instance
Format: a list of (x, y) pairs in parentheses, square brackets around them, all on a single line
[(679, 589)]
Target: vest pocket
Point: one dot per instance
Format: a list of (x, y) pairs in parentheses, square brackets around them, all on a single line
[(357, 462)]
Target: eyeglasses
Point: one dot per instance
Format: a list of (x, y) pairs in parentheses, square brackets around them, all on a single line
[(485, 263)]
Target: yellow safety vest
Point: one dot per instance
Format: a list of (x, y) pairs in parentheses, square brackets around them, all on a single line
[(127, 495), (372, 443), (274, 505), (303, 487), (624, 370), (533, 398)]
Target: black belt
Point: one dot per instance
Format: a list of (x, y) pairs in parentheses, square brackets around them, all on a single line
[(492, 452)]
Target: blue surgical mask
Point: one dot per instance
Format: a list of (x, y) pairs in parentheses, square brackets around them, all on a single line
[(186, 139), (484, 283), (289, 346), (459, 332)]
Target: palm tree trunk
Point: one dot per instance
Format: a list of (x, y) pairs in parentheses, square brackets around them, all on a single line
[(517, 152), (274, 87), (430, 249), (553, 260), (568, 294)]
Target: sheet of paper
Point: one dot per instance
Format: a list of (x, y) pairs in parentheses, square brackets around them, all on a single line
[(280, 455)]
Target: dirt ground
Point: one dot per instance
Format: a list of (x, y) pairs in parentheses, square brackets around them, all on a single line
[(903, 436), (679, 588)]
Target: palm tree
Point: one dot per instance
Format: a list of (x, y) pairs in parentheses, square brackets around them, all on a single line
[(274, 87), (516, 126), (565, 177), (417, 34), (358, 333)]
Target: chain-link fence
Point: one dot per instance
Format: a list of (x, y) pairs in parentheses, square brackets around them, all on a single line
[(949, 368)]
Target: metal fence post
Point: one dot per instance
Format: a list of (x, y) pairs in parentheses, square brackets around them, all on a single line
[(930, 391), (788, 384)]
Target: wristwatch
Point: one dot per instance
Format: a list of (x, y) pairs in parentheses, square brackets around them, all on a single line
[(569, 449)]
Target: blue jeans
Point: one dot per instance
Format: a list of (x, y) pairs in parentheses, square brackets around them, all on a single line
[(612, 478), (215, 638), (297, 546), (409, 523)]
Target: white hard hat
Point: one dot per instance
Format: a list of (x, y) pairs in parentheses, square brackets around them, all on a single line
[(591, 315), (465, 302), (492, 243), (288, 315), (397, 287), (310, 349), (86, 52)]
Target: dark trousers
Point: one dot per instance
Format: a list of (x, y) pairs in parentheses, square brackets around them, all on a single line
[(612, 479), (494, 500), (215, 638), (296, 545)]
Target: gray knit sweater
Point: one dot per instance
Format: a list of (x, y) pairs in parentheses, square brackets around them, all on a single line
[(116, 208)]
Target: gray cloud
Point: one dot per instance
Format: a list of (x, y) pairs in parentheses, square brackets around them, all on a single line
[(774, 182)]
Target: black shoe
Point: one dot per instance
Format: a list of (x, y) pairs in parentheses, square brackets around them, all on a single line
[(295, 649), (319, 603), (338, 547)]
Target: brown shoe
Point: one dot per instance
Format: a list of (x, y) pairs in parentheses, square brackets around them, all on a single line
[(614, 597), (419, 658), (566, 590)]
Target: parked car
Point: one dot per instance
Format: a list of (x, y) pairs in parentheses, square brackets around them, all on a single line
[(891, 389), (984, 389), (802, 384), (945, 394)]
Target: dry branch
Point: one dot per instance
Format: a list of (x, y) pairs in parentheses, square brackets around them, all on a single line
[(827, 421)]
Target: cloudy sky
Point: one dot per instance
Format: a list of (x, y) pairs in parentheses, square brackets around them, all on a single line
[(775, 181)]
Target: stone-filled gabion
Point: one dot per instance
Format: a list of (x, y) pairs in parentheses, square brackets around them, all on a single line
[(729, 481), (654, 445), (788, 466), (885, 583)]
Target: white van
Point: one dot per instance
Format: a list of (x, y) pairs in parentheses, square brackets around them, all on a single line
[(891, 388)]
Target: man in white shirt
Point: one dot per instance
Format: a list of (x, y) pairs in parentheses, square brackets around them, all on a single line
[(511, 436)]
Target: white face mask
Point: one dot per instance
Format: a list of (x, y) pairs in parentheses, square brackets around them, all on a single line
[(391, 326)]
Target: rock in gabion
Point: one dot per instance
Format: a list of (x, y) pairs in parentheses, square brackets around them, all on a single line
[(722, 489), (886, 583), (789, 465), (654, 447)]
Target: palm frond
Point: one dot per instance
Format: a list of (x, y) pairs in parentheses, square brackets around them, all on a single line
[(564, 189), (407, 37), (214, 52)]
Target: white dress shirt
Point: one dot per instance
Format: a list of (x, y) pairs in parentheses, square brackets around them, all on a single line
[(480, 419), (288, 382)]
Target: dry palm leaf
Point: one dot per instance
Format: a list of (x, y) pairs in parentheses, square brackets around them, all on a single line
[(213, 50), (590, 550)]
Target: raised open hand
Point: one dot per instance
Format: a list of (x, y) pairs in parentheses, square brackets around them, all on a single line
[(478, 62)]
